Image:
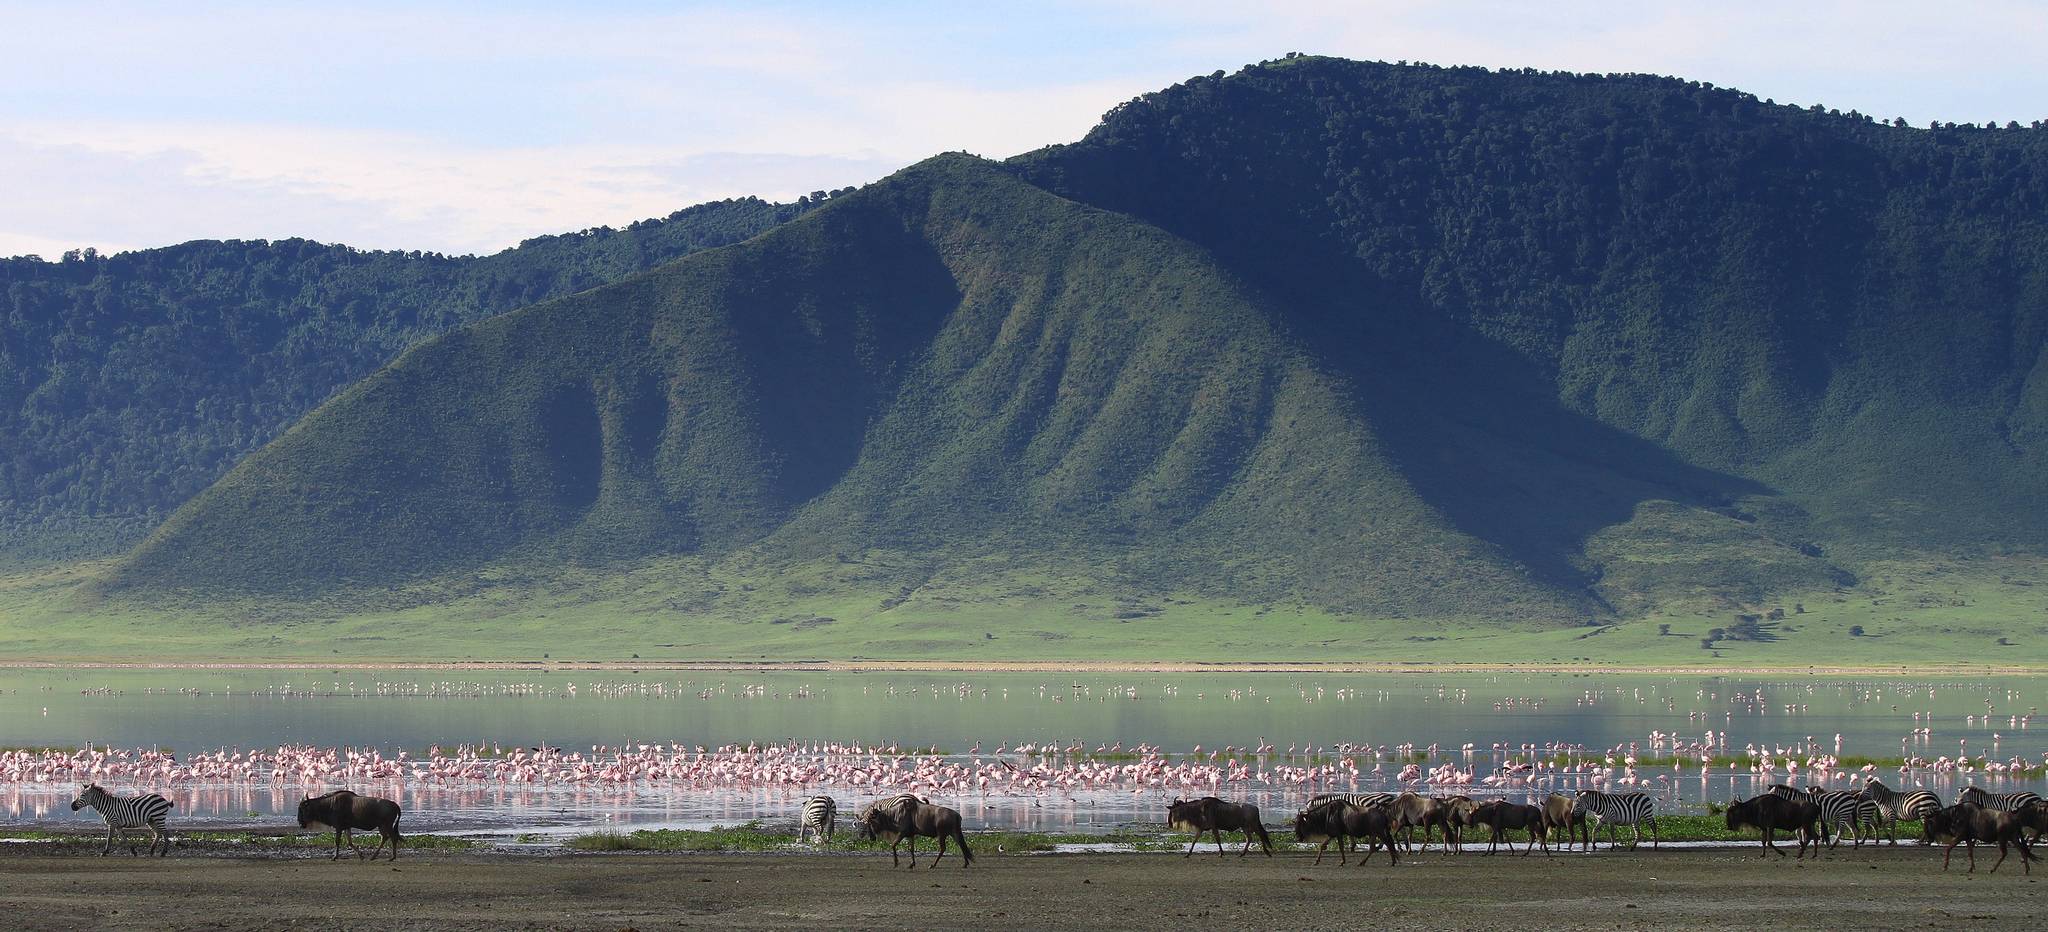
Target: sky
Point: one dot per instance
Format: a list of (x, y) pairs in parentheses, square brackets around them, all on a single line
[(466, 127)]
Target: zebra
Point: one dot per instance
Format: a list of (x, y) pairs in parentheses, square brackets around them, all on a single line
[(1894, 806), (1358, 800), (122, 813), (1838, 808), (2005, 802), (819, 813), (1611, 809), (887, 804)]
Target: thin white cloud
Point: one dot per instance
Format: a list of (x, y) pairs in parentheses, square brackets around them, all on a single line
[(466, 128)]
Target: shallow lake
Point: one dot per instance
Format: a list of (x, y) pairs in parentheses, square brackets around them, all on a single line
[(1282, 737)]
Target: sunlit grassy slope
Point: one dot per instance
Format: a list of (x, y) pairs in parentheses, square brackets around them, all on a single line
[(1913, 615)]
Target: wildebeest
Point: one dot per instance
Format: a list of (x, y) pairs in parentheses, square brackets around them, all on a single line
[(1772, 813), (907, 818), (1457, 814), (1562, 812), (343, 812), (1968, 824), (1501, 815), (1411, 809), (1215, 816), (2034, 818), (1337, 820)]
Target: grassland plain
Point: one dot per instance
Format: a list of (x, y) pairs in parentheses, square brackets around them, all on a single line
[(1913, 617), (1714, 889)]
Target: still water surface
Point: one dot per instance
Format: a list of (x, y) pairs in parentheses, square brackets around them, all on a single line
[(1367, 719)]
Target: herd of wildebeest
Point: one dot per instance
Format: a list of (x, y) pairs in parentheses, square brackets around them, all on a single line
[(1814, 816)]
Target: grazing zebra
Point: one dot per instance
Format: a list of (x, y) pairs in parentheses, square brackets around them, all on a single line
[(1611, 809), (125, 812), (1838, 808), (819, 813), (1894, 807), (2003, 802)]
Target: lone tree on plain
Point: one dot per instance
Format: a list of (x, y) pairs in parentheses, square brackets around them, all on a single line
[(1855, 631)]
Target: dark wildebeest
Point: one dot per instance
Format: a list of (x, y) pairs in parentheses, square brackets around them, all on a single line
[(1965, 823), (1339, 821), (1411, 809), (344, 812), (908, 818), (1501, 815), (1772, 813), (1457, 812), (2034, 818), (1215, 816), (1561, 812)]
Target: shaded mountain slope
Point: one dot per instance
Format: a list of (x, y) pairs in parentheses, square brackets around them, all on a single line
[(948, 364), (1369, 340), (1849, 311), (128, 383)]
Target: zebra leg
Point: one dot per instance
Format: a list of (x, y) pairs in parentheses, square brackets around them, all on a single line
[(108, 848), (1655, 842)]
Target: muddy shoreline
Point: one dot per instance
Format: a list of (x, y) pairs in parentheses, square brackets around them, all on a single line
[(1033, 666), (1723, 888)]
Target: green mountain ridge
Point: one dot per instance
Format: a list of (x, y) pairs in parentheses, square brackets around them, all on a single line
[(130, 382), (1343, 342)]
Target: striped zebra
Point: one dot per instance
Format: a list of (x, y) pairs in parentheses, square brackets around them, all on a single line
[(122, 813), (888, 804), (1838, 808), (1894, 807), (819, 813), (1611, 809), (2004, 802), (1359, 800)]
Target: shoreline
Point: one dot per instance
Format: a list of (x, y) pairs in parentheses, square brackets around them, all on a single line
[(1691, 888), (1044, 666)]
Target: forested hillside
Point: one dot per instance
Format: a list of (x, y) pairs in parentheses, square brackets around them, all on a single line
[(1824, 304), (130, 382), (1277, 356)]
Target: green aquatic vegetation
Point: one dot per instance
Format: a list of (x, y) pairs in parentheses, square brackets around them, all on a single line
[(425, 842)]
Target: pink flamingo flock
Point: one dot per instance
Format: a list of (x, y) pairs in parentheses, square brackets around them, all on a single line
[(1028, 769)]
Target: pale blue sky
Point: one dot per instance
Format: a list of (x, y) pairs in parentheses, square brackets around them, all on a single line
[(467, 127)]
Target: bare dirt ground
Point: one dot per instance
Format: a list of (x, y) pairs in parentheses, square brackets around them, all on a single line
[(1732, 889), (1052, 666)]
